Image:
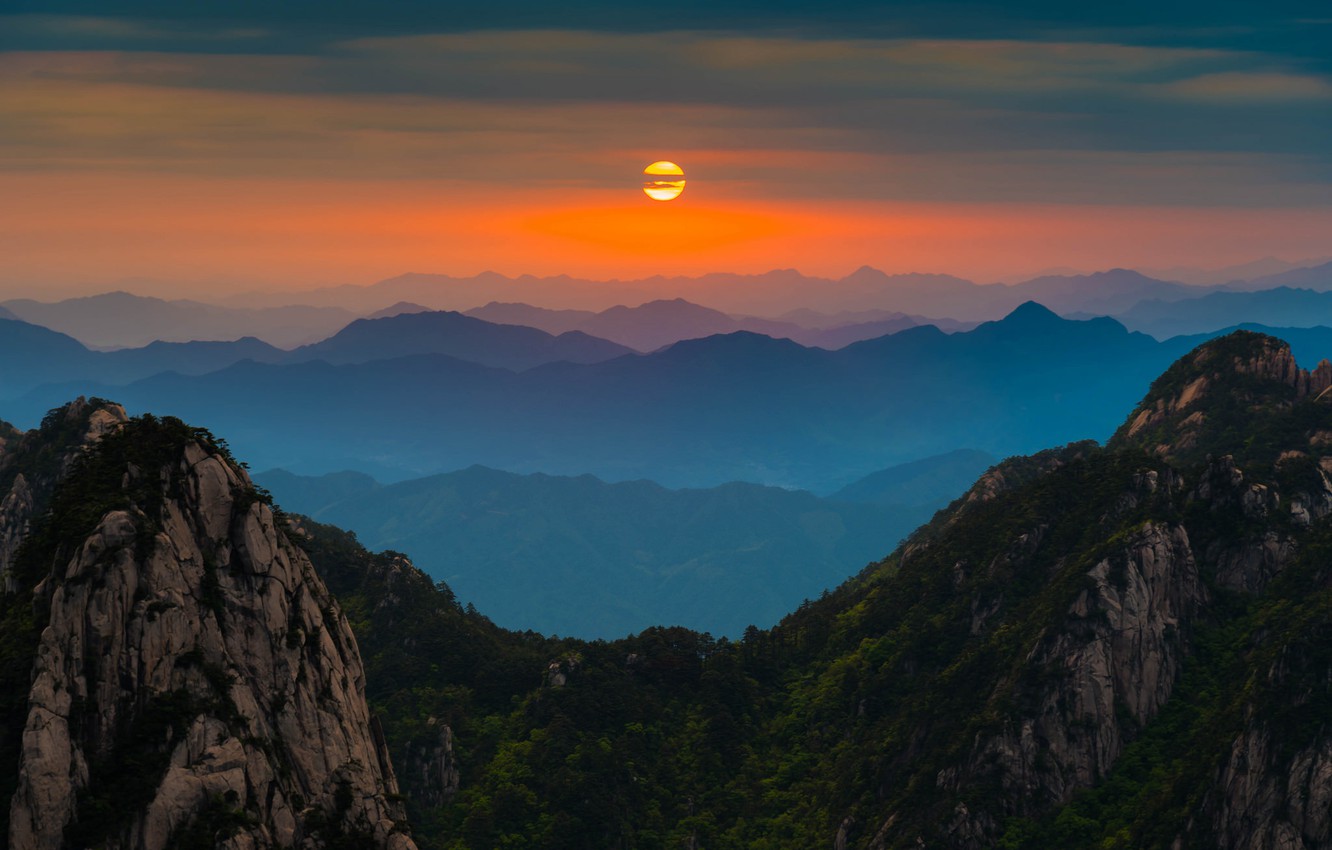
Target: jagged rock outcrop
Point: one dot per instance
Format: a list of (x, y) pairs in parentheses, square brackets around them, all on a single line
[(433, 768), (1108, 671), (1228, 378), (195, 679), (16, 510), (1269, 800), (31, 465), (1014, 472)]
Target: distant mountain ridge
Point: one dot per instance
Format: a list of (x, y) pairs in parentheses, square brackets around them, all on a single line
[(771, 293), (1282, 306), (467, 338), (31, 355), (580, 557), (656, 324), (730, 407), (120, 319), (1318, 278), (933, 480)]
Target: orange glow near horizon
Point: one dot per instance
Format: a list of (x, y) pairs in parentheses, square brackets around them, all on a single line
[(205, 237)]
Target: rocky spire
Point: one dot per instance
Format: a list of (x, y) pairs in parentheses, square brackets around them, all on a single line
[(195, 680)]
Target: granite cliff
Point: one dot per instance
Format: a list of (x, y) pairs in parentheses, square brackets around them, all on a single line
[(191, 681)]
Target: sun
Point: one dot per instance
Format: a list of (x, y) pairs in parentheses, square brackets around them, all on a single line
[(665, 181)]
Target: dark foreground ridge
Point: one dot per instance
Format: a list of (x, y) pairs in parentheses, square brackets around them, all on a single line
[(1095, 647)]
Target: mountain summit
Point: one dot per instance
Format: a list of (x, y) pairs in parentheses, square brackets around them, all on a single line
[(1225, 397), (176, 674)]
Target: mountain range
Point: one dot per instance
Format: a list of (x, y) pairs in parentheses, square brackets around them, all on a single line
[(1278, 307), (580, 557), (1095, 646), (780, 292), (772, 293), (31, 355), (698, 413), (1242, 273), (768, 303), (656, 324), (119, 320), (506, 346)]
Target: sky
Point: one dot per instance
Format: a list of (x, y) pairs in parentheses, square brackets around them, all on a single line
[(209, 147)]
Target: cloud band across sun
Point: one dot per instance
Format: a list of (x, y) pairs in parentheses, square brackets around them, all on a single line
[(665, 181)]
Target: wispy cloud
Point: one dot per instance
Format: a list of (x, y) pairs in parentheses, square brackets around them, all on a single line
[(991, 119), (118, 32), (1239, 87)]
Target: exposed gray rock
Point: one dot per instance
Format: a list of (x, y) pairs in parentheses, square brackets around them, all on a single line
[(29, 492), (205, 630), (1119, 655), (1250, 565), (1271, 802), (433, 768), (16, 511)]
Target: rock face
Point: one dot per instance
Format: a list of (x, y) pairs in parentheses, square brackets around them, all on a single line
[(1120, 652), (433, 768), (1273, 802), (31, 465), (1215, 379), (195, 679), (16, 510)]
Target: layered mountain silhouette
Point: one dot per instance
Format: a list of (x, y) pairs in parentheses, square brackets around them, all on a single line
[(656, 324), (772, 293), (119, 320), (548, 320), (580, 557), (1279, 307), (467, 338), (1101, 293), (398, 309), (31, 355), (1241, 273), (1317, 277), (701, 412), (930, 481)]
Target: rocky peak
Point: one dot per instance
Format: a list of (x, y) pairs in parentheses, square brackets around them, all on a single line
[(32, 463), (194, 682), (1215, 399)]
